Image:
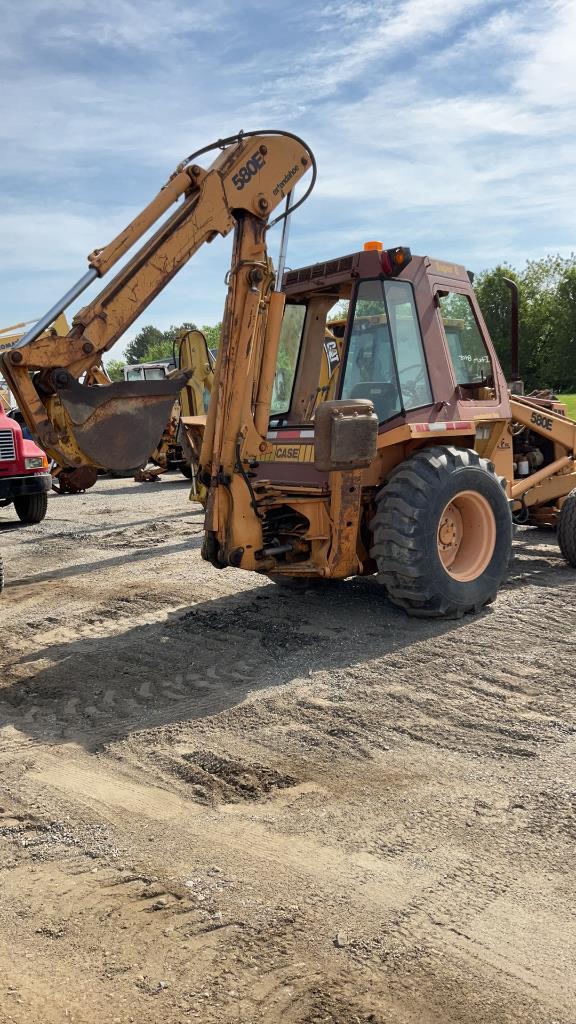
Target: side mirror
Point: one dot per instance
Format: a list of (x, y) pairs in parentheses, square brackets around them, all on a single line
[(345, 435)]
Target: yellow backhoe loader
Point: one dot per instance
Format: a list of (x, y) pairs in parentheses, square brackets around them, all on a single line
[(409, 466), (179, 446)]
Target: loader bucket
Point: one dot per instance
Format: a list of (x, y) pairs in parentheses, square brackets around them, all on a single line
[(117, 426)]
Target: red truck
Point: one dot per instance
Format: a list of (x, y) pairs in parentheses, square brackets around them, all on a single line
[(24, 473)]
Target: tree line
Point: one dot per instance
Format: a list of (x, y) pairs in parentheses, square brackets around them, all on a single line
[(547, 294), (152, 345), (547, 297)]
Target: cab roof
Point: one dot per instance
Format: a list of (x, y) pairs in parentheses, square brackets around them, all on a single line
[(332, 274)]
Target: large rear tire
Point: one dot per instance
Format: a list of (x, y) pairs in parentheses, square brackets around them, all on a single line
[(567, 529), (442, 533), (31, 508)]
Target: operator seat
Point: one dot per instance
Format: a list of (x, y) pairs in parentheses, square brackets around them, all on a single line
[(383, 394)]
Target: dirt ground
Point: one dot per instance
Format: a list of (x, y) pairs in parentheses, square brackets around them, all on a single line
[(223, 802)]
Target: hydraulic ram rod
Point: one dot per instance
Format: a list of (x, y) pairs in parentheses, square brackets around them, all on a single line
[(58, 308)]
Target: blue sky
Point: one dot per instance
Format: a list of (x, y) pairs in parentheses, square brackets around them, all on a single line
[(445, 125)]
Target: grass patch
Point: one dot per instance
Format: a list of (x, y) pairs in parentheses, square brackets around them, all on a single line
[(570, 401)]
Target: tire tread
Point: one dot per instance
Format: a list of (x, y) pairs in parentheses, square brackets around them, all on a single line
[(31, 508), (398, 530), (567, 529)]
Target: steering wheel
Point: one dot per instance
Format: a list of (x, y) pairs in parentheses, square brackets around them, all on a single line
[(410, 386), (415, 366)]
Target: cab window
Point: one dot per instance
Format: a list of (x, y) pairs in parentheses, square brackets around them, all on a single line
[(155, 372), (288, 351), (412, 369), (385, 358), (468, 352)]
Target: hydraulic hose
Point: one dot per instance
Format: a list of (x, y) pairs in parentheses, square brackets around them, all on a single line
[(222, 143)]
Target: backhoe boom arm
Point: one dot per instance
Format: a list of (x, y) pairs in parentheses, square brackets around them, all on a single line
[(79, 425)]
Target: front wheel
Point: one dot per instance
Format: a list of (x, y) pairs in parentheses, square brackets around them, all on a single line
[(442, 533), (31, 508)]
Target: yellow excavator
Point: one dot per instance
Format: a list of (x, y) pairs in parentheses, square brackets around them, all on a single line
[(406, 465)]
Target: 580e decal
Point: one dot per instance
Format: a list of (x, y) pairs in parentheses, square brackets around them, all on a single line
[(541, 421), (250, 168), (255, 164)]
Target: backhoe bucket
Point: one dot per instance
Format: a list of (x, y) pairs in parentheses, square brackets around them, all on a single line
[(117, 426)]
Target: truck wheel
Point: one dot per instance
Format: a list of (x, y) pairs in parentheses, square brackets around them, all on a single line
[(186, 470), (567, 529), (442, 533), (31, 508)]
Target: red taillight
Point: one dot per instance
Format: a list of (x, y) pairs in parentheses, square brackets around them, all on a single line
[(386, 263), (394, 260)]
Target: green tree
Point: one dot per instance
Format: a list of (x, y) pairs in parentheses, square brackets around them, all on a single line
[(547, 293), (562, 357), (546, 321), (136, 349), (494, 298), (339, 311), (151, 344), (115, 369), (158, 351), (212, 334)]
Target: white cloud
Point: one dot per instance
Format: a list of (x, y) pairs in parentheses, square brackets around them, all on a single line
[(547, 74), (144, 26), (375, 33), (441, 124), (36, 239)]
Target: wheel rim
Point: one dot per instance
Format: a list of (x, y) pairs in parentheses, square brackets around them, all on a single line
[(466, 536)]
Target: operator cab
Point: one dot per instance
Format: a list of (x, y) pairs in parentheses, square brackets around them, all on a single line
[(149, 371), (405, 332)]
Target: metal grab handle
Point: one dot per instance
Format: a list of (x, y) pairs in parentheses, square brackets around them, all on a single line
[(283, 245)]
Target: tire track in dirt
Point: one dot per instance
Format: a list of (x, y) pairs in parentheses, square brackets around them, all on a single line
[(368, 818)]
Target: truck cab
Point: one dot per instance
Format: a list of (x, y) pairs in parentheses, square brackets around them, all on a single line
[(25, 477)]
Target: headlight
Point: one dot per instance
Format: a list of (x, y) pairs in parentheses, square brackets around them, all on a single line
[(36, 462)]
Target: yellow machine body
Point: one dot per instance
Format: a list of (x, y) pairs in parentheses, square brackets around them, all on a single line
[(384, 441)]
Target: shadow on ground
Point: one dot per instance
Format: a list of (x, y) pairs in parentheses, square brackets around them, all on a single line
[(162, 483), (203, 661), (209, 658)]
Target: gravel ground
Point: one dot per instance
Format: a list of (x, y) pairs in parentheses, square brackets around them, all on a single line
[(224, 802)]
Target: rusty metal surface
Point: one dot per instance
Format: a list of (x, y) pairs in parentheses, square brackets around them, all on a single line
[(75, 481), (345, 498), (345, 435), (116, 426)]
